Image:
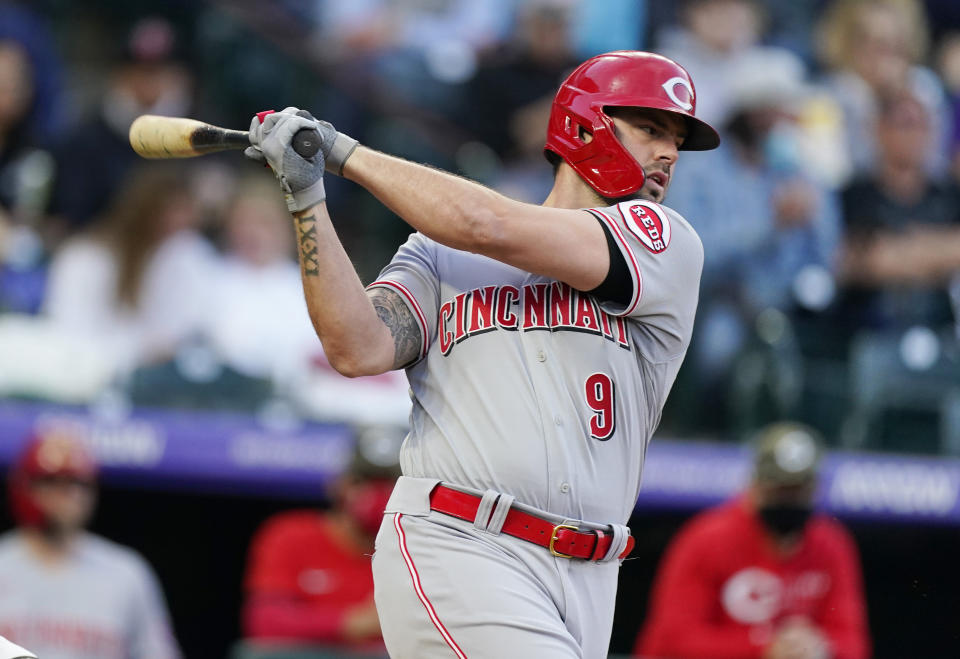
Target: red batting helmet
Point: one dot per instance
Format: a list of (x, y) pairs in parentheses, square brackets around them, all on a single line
[(48, 455), (623, 78)]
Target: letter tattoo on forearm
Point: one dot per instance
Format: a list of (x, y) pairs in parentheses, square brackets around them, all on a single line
[(396, 315), (307, 244)]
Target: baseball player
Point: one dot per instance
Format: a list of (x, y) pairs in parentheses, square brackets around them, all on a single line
[(540, 343), (66, 593)]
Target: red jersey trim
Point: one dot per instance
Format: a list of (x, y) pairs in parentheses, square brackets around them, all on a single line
[(633, 265), (415, 577), (421, 318)]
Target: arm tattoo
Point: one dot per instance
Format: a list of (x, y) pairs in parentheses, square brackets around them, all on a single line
[(307, 244), (396, 315)]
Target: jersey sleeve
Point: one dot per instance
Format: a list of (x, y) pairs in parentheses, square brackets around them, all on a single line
[(664, 257), (412, 273)]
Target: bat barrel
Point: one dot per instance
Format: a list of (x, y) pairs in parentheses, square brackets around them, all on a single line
[(153, 136)]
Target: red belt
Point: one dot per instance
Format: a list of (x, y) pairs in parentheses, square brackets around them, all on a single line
[(561, 539)]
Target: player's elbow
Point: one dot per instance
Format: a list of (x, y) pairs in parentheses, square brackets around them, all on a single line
[(357, 364)]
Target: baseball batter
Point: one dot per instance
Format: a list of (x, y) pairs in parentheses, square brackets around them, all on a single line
[(66, 593), (540, 343)]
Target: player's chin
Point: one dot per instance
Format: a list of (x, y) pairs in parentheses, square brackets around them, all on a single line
[(652, 192)]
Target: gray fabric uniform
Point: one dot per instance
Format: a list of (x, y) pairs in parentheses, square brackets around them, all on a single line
[(103, 602), (527, 388)]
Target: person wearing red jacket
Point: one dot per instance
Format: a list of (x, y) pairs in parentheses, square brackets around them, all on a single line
[(309, 578), (761, 576)]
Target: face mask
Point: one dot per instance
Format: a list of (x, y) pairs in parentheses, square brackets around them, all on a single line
[(785, 519), (366, 505), (781, 149)]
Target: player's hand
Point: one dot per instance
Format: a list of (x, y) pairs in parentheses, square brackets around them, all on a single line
[(336, 147), (798, 639), (300, 178), (361, 622)]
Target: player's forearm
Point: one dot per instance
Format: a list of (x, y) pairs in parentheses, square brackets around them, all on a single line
[(923, 257), (354, 340), (449, 209), (468, 216)]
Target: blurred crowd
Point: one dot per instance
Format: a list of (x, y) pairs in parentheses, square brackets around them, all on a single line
[(830, 215)]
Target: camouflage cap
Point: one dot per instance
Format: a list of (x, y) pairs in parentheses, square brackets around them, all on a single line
[(787, 454)]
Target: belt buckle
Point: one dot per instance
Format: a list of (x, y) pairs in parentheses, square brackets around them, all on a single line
[(553, 539)]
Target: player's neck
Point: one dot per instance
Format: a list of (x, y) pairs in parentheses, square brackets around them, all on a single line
[(571, 191), (906, 185), (48, 548)]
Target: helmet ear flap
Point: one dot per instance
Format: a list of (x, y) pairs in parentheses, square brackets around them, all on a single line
[(575, 130)]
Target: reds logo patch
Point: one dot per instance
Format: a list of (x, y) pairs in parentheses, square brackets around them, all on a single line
[(648, 223)]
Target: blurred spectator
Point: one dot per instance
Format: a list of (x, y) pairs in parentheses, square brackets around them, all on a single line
[(26, 173), (948, 64), (256, 319), (789, 24), (415, 52), (902, 229), (67, 593), (769, 231), (309, 578), (96, 155), (20, 193), (718, 43), (521, 75), (507, 103), (762, 575), (137, 279), (874, 48), (29, 28)]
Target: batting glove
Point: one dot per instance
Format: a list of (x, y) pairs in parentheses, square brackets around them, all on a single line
[(336, 147)]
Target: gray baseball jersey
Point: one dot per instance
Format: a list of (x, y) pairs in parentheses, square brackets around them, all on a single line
[(102, 603), (529, 387)]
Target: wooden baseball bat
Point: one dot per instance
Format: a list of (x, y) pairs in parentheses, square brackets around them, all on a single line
[(154, 137)]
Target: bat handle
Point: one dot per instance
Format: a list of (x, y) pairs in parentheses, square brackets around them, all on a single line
[(306, 142)]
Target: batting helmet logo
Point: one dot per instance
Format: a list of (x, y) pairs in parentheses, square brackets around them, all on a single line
[(670, 87)]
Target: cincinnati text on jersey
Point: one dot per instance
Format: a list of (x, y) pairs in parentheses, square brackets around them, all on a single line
[(551, 306)]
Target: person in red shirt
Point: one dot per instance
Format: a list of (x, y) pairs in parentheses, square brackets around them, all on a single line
[(761, 576), (309, 576)]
